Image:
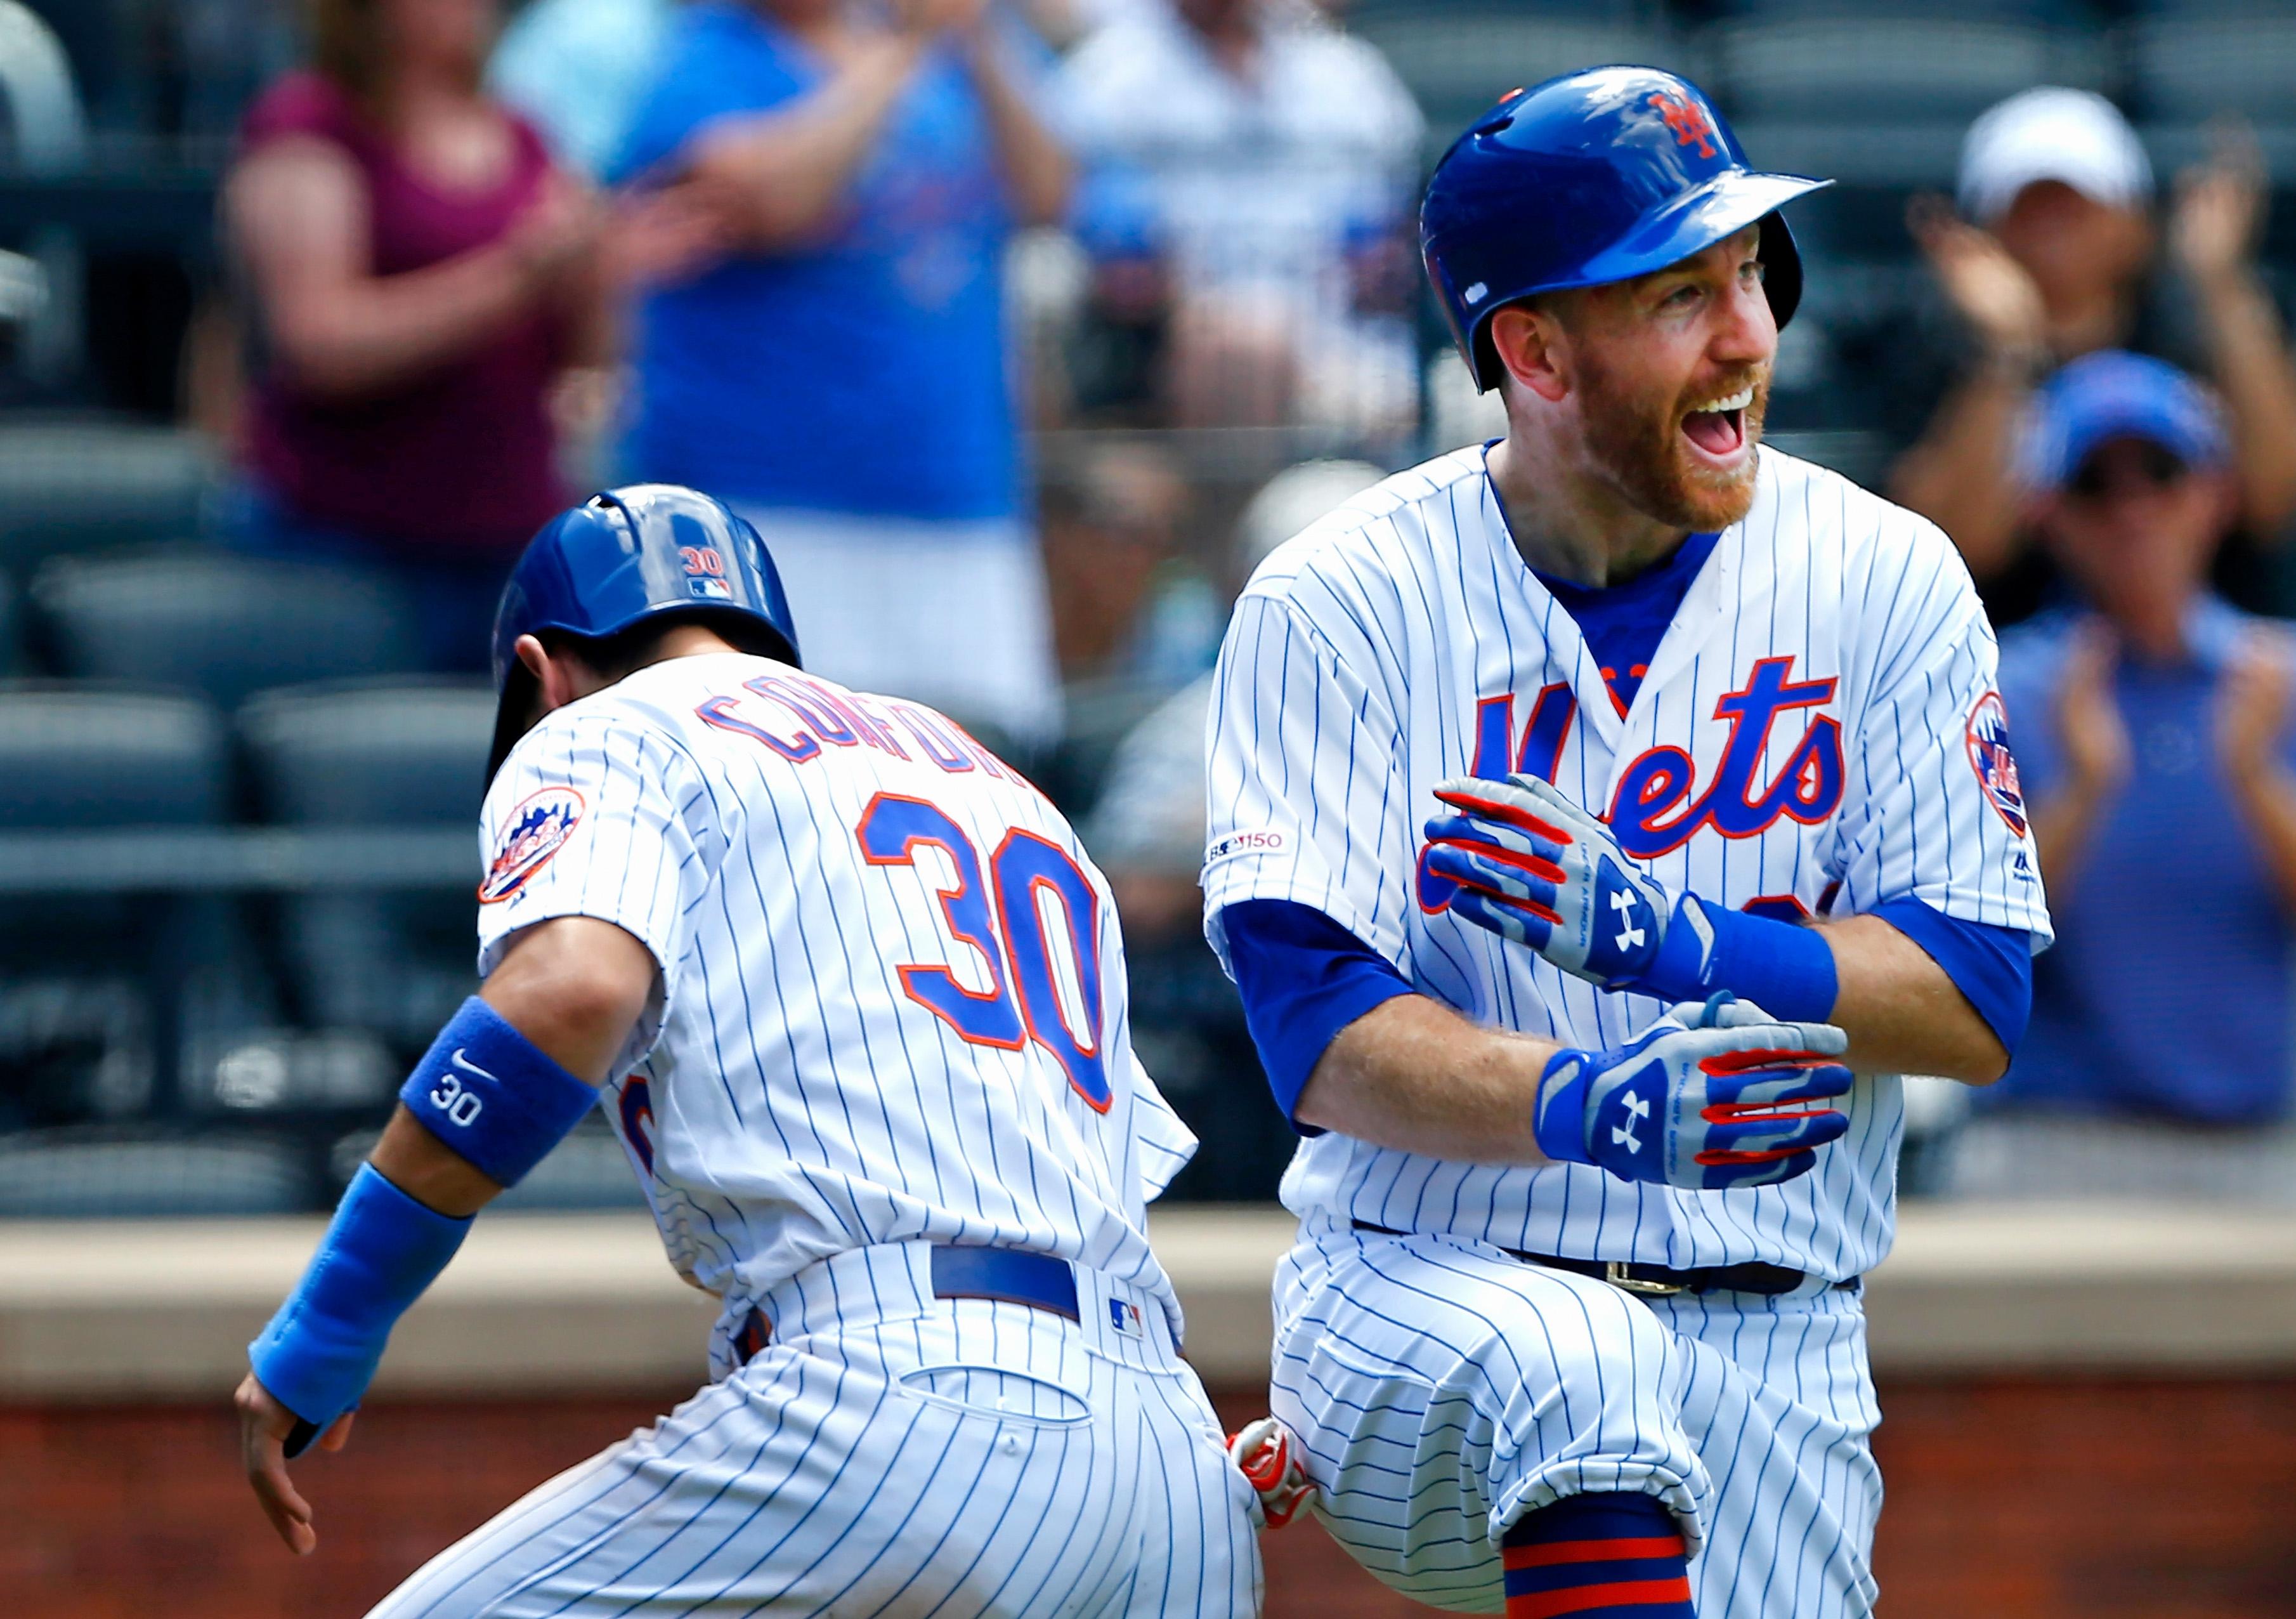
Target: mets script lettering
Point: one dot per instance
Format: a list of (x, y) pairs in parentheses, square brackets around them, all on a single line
[(1656, 810)]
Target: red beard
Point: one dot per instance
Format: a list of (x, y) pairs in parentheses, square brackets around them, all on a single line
[(1643, 453)]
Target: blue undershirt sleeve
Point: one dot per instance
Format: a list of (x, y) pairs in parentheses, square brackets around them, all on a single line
[(1991, 967), (1303, 978)]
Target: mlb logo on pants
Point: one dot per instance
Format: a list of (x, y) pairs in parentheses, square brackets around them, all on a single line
[(1125, 1318)]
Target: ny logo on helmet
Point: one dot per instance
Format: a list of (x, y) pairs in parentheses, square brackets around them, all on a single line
[(1687, 120)]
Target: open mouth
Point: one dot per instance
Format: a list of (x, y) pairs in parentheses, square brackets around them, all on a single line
[(1719, 428)]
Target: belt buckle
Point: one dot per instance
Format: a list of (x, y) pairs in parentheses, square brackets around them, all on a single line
[(1618, 1273)]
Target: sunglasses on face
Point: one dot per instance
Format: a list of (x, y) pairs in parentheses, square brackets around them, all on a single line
[(2144, 466)]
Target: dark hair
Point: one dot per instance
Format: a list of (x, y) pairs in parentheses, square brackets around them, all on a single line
[(628, 651), (618, 655), (350, 49), (346, 46)]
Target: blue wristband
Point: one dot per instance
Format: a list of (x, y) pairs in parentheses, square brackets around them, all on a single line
[(1785, 969), (1558, 1119), (381, 1250), (494, 1097)]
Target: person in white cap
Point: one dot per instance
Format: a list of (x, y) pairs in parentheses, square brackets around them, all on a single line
[(2050, 258)]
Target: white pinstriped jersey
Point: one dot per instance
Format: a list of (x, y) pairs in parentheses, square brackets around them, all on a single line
[(892, 1003), (1816, 734)]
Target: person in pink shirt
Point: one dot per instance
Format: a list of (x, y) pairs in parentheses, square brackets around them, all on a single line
[(420, 279)]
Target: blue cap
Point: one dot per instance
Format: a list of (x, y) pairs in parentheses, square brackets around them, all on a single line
[(2117, 395), (1596, 176), (646, 551)]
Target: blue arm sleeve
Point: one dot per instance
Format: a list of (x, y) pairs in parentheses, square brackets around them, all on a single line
[(1303, 978), (1991, 967), (381, 1250)]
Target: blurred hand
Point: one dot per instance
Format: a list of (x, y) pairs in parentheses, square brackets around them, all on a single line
[(2219, 205), (2088, 714), (929, 18), (264, 1424), (669, 234), (1991, 289), (558, 234), (2251, 711)]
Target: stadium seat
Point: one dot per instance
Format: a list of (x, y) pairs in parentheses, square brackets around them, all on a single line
[(1458, 59), (2078, 14), (2186, 72), (371, 752), (224, 625), (1863, 71), (77, 973), (2189, 69), (588, 1170), (1901, 157), (127, 1171), (73, 488), (376, 754), (84, 757)]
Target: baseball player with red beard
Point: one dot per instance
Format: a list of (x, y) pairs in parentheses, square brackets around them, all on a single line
[(1601, 821)]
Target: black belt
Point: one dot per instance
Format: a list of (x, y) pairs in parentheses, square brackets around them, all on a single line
[(1007, 1275), (1755, 1275)]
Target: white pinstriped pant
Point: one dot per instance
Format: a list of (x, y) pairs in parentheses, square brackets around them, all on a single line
[(911, 1457), (1442, 1389)]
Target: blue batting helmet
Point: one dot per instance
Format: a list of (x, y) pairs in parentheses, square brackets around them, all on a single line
[(1594, 176), (646, 551)]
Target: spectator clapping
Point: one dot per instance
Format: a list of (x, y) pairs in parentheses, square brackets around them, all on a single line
[(2153, 726)]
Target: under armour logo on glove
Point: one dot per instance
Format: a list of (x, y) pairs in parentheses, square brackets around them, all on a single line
[(1723, 1094), (1629, 935), (1637, 1110)]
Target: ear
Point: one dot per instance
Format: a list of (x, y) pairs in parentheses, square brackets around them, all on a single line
[(553, 675), (1531, 343)]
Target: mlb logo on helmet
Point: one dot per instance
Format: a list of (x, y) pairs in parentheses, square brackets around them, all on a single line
[(537, 828), (705, 572), (1996, 765)]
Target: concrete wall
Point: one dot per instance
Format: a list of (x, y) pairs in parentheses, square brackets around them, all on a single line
[(2089, 1412)]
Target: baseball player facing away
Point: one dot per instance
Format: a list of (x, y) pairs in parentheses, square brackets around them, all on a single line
[(1515, 752), (856, 1002)]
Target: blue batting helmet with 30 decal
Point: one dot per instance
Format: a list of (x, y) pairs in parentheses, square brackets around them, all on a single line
[(647, 551), (1596, 176)]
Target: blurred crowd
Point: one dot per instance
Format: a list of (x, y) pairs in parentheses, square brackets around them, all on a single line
[(1024, 329)]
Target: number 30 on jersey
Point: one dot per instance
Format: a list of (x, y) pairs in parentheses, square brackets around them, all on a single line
[(1024, 999)]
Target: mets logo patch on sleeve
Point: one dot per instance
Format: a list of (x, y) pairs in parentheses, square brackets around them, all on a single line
[(536, 828), (1996, 765)]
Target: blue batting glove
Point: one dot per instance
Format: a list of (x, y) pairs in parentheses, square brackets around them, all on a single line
[(1531, 865), (1707, 1097)]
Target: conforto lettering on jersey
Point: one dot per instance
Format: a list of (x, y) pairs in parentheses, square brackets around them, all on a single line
[(829, 716)]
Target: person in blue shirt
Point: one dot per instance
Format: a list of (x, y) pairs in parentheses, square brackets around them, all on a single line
[(843, 378), (576, 68), (2154, 740)]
